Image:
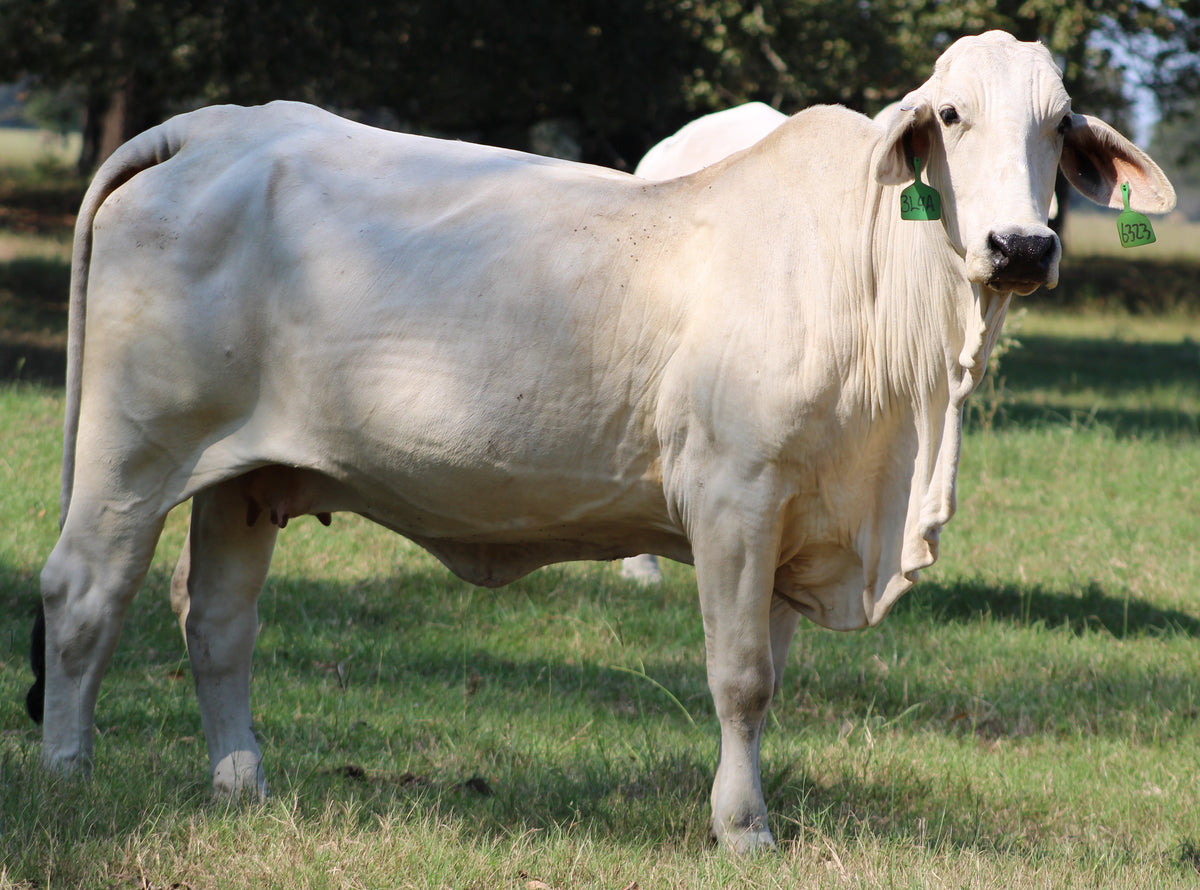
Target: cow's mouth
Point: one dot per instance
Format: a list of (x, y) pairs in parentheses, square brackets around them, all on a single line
[(1021, 287)]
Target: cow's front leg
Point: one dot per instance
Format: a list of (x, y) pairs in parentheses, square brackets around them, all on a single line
[(215, 593), (735, 574)]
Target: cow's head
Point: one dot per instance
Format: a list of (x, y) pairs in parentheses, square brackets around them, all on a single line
[(991, 126)]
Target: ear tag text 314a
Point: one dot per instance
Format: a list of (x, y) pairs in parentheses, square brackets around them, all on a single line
[(920, 201), (1134, 228)]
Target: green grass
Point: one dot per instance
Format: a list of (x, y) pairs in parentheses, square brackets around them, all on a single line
[(1027, 717), (25, 149)]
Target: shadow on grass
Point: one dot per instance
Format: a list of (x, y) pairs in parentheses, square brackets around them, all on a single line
[(33, 320), (1091, 608), (1101, 364), (1125, 423), (1108, 367), (25, 361), (417, 627)]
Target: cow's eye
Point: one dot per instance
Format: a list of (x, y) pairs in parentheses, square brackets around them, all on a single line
[(949, 115), (1064, 125)]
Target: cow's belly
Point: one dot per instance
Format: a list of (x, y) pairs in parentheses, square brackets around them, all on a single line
[(483, 527), (496, 466)]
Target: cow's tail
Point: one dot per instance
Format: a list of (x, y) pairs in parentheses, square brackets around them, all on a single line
[(140, 153)]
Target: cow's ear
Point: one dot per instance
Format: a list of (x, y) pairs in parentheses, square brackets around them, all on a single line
[(1096, 159), (908, 131)]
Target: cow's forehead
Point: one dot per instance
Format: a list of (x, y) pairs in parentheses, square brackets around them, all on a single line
[(997, 64), (996, 45)]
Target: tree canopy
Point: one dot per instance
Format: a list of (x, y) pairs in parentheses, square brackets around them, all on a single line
[(618, 74)]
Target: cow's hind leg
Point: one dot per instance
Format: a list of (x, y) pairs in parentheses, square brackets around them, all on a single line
[(215, 591), (89, 579)]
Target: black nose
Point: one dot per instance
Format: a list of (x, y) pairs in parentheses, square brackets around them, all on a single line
[(1021, 259)]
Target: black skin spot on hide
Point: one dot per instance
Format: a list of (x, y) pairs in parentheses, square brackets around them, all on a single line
[(35, 698)]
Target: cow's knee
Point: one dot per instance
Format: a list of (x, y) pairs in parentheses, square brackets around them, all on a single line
[(79, 635), (743, 691)]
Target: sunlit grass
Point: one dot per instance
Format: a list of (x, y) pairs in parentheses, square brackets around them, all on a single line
[(23, 149)]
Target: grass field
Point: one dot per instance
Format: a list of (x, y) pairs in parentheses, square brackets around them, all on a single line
[(1028, 717), (22, 149)]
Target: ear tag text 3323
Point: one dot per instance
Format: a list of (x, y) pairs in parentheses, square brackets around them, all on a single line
[(1134, 228), (920, 201)]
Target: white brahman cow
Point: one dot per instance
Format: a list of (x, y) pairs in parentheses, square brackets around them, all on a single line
[(709, 139), (513, 361)]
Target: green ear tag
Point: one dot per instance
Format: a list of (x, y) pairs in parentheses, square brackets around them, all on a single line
[(920, 201), (1134, 228)]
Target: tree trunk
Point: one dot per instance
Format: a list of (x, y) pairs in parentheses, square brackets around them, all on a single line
[(111, 120), (93, 123), (114, 126)]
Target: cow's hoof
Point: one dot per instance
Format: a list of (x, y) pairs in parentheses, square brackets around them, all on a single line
[(745, 841), (643, 569), (240, 773), (67, 764)]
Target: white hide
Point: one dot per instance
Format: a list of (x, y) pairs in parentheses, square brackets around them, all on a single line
[(513, 360), (693, 147)]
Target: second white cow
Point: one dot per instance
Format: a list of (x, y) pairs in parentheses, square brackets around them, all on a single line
[(511, 360), (709, 139)]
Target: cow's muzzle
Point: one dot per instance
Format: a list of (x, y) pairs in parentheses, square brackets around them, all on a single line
[(1022, 262)]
